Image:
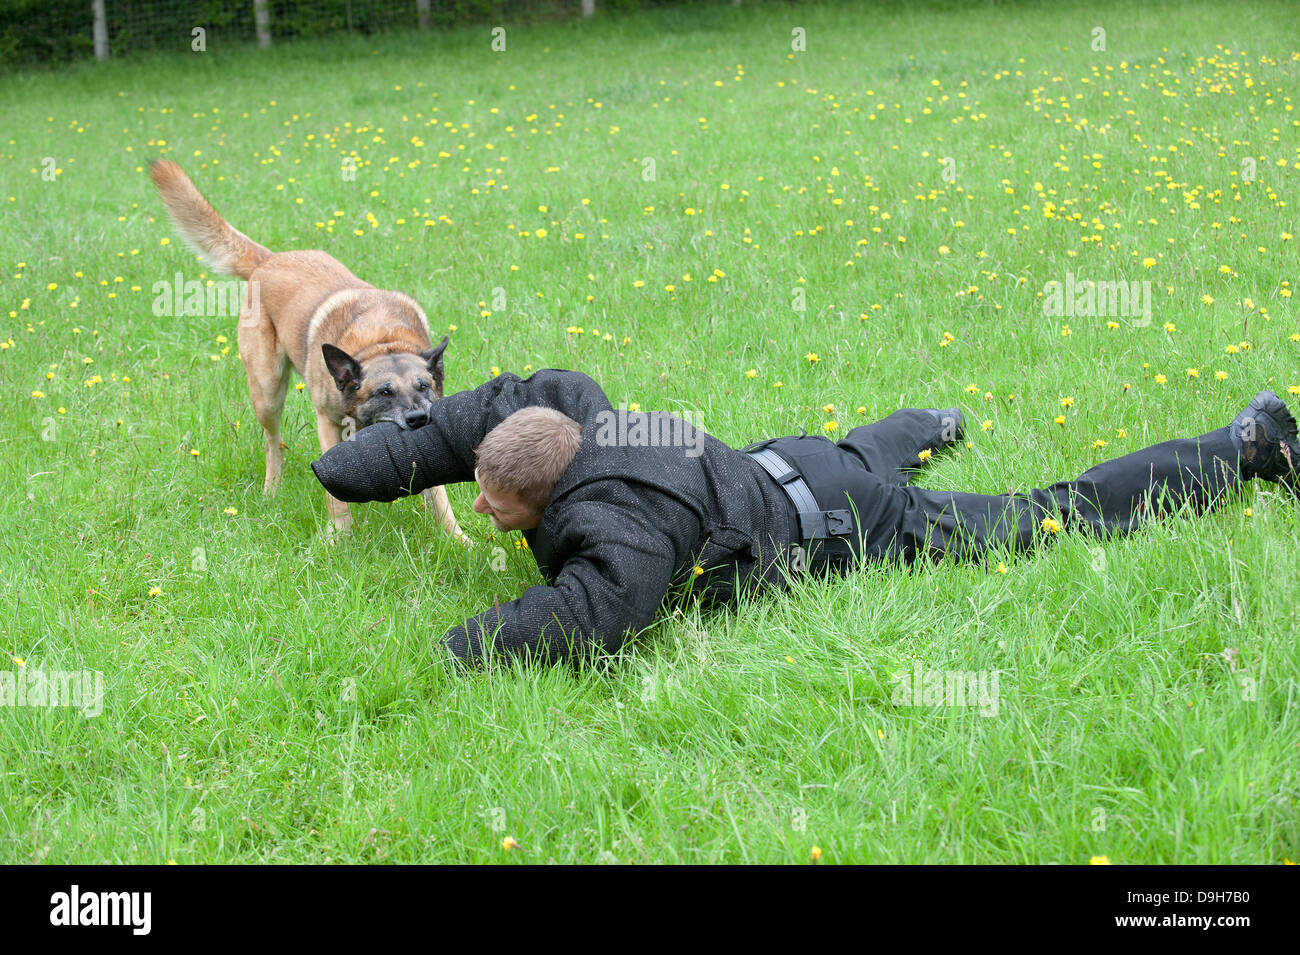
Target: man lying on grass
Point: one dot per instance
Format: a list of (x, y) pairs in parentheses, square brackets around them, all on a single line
[(621, 507)]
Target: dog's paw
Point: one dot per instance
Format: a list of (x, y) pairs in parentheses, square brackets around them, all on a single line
[(336, 531)]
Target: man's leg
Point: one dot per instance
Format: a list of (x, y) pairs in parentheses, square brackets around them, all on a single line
[(1113, 497), (889, 446)]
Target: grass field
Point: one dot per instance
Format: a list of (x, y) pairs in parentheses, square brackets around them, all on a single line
[(707, 220)]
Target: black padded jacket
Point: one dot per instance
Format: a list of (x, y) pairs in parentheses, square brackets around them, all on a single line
[(625, 524)]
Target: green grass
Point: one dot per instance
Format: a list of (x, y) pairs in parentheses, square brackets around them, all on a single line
[(278, 699)]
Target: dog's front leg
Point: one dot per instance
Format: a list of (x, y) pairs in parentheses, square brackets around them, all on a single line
[(435, 498), (331, 434)]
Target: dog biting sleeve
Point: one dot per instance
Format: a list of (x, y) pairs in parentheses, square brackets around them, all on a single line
[(384, 462)]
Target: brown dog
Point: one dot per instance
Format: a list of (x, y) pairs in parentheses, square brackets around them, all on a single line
[(364, 352)]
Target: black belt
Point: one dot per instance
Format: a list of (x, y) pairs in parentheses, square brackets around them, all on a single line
[(814, 523)]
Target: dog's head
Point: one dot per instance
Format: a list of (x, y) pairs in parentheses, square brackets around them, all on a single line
[(399, 387)]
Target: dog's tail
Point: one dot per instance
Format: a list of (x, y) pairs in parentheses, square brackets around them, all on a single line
[(224, 248)]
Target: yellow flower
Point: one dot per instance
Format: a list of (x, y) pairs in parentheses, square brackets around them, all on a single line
[(194, 452), (1099, 443), (698, 570), (789, 659), (1099, 860), (638, 284), (830, 426), (1002, 568), (812, 357), (508, 843), (1250, 512), (752, 373), (816, 853), (972, 388), (155, 591), (862, 409), (829, 409), (1065, 330), (1112, 325), (1161, 379), (1207, 299), (925, 455), (1170, 327), (986, 424), (1067, 402), (1051, 526), (38, 394), (230, 512), (1060, 419), (1148, 262), (1193, 373), (1223, 376)]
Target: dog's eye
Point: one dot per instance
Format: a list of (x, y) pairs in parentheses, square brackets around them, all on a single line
[(386, 391)]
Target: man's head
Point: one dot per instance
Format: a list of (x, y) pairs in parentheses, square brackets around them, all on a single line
[(518, 464)]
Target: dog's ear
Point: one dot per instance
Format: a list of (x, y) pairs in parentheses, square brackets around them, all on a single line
[(433, 357), (342, 366)]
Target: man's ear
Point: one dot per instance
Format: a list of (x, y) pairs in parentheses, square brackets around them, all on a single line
[(433, 357), (342, 366)]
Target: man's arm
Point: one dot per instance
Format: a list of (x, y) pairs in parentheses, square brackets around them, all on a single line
[(383, 462), (613, 584)]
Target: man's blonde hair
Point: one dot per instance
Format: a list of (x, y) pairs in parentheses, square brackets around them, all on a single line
[(526, 454)]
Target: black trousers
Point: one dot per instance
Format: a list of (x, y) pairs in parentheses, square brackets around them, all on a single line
[(869, 469)]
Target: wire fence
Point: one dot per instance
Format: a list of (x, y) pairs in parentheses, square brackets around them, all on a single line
[(56, 31)]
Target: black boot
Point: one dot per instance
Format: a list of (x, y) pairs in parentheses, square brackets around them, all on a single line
[(1265, 436), (952, 422)]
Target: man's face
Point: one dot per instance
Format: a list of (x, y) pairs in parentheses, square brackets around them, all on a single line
[(506, 510)]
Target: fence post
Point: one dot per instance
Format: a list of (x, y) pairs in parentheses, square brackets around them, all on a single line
[(422, 6), (588, 7), (100, 30), (262, 18)]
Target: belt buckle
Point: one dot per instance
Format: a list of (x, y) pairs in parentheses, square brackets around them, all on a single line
[(839, 523)]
